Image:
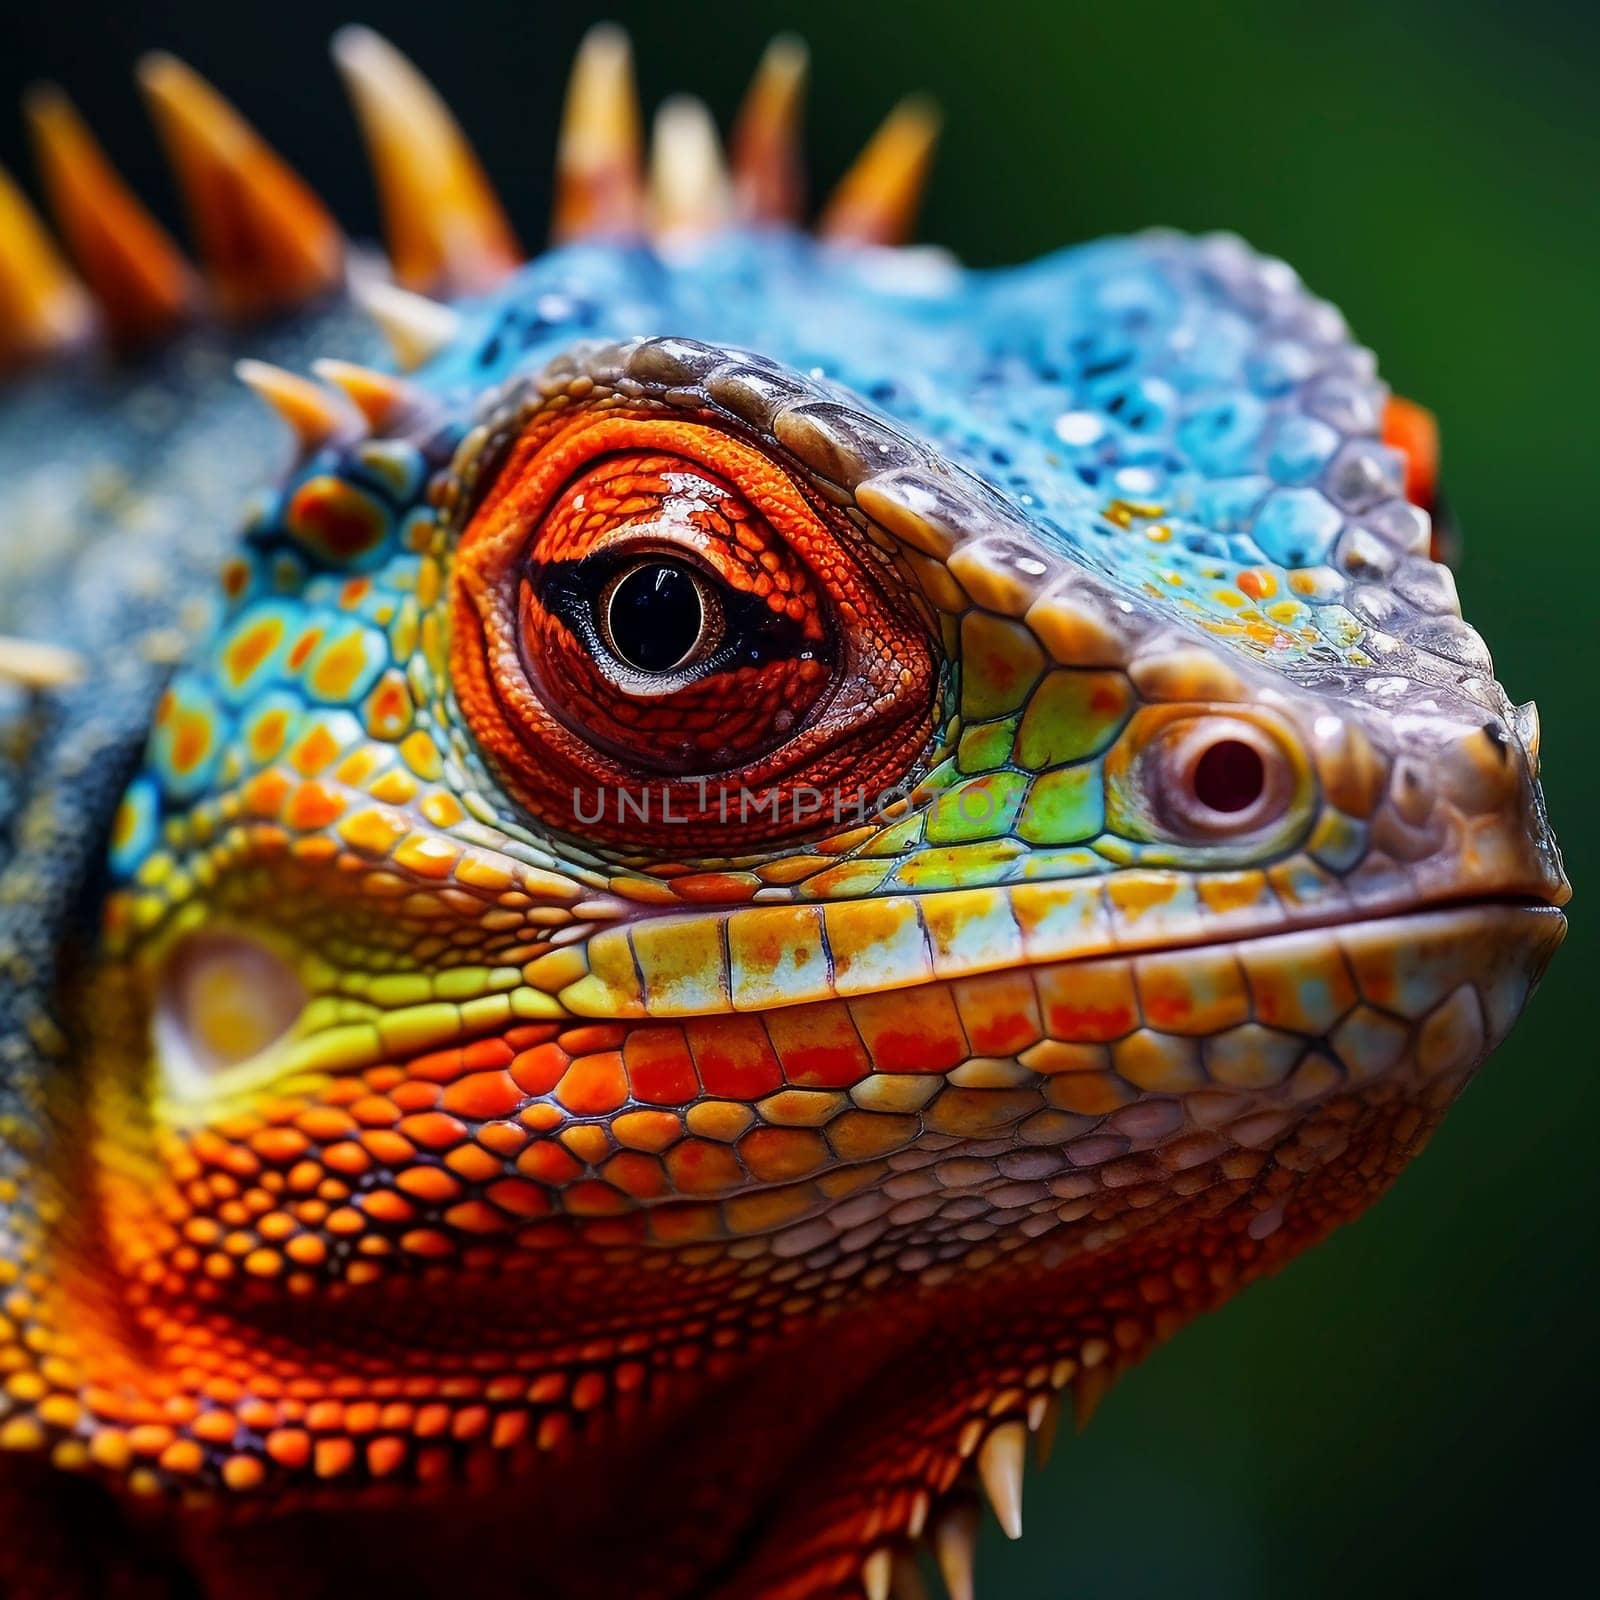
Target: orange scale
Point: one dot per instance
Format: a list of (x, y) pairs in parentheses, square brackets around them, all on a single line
[(279, 1145), (314, 807), (591, 1038), (348, 1158), (415, 1095), (638, 1175), (594, 1084), (325, 1123), (734, 1057), (375, 1111), (432, 1185), (540, 1069), (651, 1131), (384, 1205), (215, 1427), (588, 1142), (699, 1166), (659, 1067), (591, 1198), (289, 1447), (504, 1138), (476, 1216), (381, 1079), (439, 1066), (388, 1148), (916, 1031), (325, 1416), (529, 1035), (519, 1198), (540, 1117), (487, 1055), (999, 1011), (818, 1046), (474, 1164), (482, 1095), (548, 1163), (779, 1154)]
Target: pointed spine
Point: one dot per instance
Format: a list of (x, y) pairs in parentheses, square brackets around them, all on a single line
[(143, 286), (446, 231), (265, 239), (417, 328), (34, 664), (688, 181), (380, 397), (43, 307), (877, 199), (768, 170), (598, 186), (315, 415)]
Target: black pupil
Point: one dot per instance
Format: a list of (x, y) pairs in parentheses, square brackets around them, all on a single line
[(655, 617), (1229, 776)]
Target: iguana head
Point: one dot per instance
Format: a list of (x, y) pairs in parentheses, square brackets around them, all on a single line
[(779, 852)]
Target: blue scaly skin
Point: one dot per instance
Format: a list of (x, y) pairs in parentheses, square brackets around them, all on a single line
[(787, 853)]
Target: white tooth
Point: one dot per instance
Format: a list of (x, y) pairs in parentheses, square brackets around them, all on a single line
[(955, 1538), (1044, 1430), (876, 1572), (1000, 1464), (917, 1520), (1088, 1392), (907, 1584)]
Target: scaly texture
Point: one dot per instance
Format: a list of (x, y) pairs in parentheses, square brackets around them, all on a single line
[(781, 853)]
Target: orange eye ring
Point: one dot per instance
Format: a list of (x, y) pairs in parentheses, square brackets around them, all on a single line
[(766, 654)]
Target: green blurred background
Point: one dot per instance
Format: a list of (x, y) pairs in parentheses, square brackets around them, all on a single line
[(1410, 1409)]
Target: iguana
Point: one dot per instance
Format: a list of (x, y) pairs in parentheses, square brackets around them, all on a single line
[(771, 854)]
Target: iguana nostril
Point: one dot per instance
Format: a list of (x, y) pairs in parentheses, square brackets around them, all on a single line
[(224, 998), (1230, 776)]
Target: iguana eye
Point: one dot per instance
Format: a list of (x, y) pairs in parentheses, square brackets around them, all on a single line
[(659, 619)]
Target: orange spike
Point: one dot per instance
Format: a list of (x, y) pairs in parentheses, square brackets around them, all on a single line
[(1413, 430), (445, 229), (599, 189), (877, 199), (768, 172), (267, 242), (42, 306), (137, 274), (315, 414), (380, 397)]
